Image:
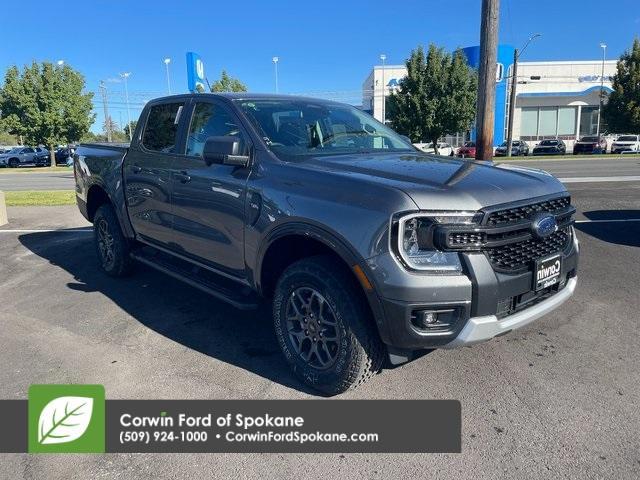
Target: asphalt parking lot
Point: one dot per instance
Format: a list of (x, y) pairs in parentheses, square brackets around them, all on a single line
[(558, 399)]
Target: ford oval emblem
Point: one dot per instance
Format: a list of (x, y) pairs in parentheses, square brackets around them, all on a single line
[(544, 225)]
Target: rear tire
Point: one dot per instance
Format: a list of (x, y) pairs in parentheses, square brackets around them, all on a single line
[(324, 326), (14, 162), (112, 247)]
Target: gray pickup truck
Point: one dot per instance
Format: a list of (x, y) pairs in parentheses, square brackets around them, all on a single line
[(366, 248)]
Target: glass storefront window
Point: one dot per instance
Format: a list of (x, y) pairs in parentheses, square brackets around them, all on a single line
[(529, 122), (588, 121), (548, 122), (566, 120)]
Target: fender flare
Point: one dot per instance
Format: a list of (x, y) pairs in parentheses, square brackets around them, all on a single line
[(336, 243)]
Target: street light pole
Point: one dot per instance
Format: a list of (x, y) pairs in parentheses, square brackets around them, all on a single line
[(275, 65), (383, 57), (604, 54), (126, 93), (512, 95), (167, 61)]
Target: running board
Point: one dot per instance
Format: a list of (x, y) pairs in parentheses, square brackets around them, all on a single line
[(234, 293)]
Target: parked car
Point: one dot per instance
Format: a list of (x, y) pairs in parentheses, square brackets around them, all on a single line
[(590, 144), (365, 247), (626, 144), (518, 148), (550, 147), (468, 150), (43, 158), (63, 154), (20, 156), (443, 148)]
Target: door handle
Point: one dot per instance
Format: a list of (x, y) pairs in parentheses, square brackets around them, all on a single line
[(136, 169), (182, 177)]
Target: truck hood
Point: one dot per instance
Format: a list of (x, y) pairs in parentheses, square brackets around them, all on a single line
[(441, 183)]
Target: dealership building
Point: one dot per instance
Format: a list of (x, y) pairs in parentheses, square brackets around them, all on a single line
[(555, 99)]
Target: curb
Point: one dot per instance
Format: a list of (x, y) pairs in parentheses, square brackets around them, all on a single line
[(3, 210)]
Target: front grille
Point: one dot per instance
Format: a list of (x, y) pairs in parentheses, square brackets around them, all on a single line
[(506, 235), (521, 255), (517, 214), (466, 238)]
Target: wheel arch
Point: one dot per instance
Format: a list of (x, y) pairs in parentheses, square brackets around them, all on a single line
[(300, 240)]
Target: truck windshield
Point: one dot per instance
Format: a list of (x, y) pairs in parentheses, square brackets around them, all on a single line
[(301, 128)]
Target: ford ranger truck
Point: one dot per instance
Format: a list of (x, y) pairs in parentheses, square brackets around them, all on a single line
[(366, 248)]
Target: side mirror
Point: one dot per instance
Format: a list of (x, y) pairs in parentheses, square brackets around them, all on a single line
[(224, 150)]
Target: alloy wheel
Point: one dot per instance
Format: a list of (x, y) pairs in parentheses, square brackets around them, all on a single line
[(313, 328), (105, 243)]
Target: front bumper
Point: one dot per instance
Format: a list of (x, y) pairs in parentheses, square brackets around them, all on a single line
[(479, 298), (480, 329)]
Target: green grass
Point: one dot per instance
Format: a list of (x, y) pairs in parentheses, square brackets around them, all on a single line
[(35, 170), (40, 198)]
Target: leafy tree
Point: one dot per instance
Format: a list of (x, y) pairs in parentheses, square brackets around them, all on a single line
[(228, 84), (437, 97), (622, 112), (134, 123), (46, 104)]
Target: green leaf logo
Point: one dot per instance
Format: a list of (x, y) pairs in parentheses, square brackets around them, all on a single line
[(64, 419)]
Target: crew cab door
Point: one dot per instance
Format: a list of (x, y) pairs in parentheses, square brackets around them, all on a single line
[(209, 198), (147, 172)]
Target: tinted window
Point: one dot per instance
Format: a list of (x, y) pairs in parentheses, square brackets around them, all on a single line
[(628, 138), (589, 139), (470, 144), (162, 128), (297, 128), (549, 142), (211, 120)]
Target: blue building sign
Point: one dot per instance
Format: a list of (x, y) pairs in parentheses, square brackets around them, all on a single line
[(505, 60), (195, 73)]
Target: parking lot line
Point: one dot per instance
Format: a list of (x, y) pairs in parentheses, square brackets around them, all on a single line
[(626, 178), (605, 220)]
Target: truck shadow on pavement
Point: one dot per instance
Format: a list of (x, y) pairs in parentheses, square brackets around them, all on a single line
[(609, 226), (173, 309)]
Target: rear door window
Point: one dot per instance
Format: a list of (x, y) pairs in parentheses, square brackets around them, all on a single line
[(161, 131)]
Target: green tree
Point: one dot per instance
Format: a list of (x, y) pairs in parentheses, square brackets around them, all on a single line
[(622, 111), (46, 104), (228, 84), (133, 129), (437, 97)]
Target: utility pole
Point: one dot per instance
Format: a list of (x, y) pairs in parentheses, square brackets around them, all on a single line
[(604, 54), (487, 79), (107, 119), (512, 94), (383, 57), (167, 61), (126, 92), (275, 65)]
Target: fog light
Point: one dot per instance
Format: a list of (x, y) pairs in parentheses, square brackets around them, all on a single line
[(425, 318), (433, 320)]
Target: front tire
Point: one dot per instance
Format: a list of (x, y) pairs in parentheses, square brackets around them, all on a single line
[(324, 326), (112, 247), (14, 162)]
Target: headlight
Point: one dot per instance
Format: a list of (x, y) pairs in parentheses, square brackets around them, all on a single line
[(414, 241)]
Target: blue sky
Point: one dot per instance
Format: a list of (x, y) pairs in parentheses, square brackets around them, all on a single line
[(326, 48)]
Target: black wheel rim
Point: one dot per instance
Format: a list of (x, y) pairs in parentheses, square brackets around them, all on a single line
[(313, 328), (105, 243)]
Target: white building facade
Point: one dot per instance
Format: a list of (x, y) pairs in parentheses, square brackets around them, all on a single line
[(553, 99)]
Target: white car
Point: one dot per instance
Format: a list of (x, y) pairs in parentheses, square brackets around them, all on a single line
[(443, 148), (626, 144)]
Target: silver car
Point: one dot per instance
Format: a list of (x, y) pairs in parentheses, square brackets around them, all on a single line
[(18, 156)]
